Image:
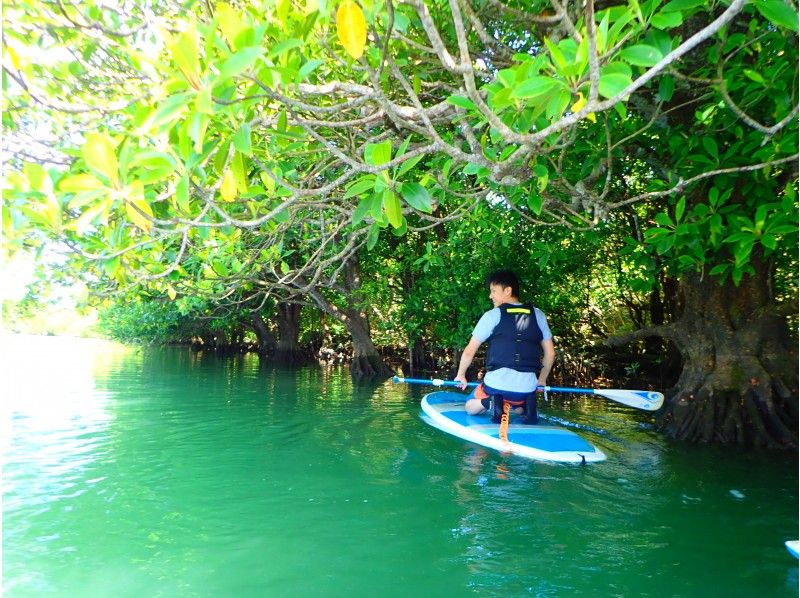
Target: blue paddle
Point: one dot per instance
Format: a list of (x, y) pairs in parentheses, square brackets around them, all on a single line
[(639, 399)]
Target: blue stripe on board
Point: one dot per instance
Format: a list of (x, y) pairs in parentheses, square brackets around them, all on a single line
[(551, 442), (546, 439)]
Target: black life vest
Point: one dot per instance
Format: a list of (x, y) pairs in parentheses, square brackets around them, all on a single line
[(516, 341)]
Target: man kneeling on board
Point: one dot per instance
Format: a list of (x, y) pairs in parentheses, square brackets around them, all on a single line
[(520, 355)]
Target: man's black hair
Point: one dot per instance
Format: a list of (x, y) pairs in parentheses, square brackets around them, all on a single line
[(505, 278)]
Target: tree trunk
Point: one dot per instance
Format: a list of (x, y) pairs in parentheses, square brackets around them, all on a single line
[(266, 340), (418, 357), (739, 379), (288, 351), (367, 362)]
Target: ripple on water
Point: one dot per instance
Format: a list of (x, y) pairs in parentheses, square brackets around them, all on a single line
[(161, 472)]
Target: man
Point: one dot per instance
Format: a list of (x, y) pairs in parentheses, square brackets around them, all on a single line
[(520, 355)]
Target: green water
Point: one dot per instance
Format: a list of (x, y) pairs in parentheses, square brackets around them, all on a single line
[(162, 472)]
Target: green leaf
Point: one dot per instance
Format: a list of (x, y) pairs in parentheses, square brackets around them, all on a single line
[(401, 151), (402, 229), (778, 12), (167, 111), (535, 87), (666, 87), (98, 152), (680, 208), (742, 253), (81, 182), (535, 203), (185, 55), (219, 267), (754, 76), (666, 20), (372, 237), (461, 101), (392, 208), (476, 169), (711, 147), (377, 154), (417, 197), (602, 32), (308, 68), (238, 63), (556, 54), (204, 102), (740, 237), (663, 219), (239, 172), (681, 5), (231, 23), (782, 229), (361, 185), (501, 99), (641, 55), (376, 207), (558, 104), (408, 165), (719, 269), (769, 242), (136, 206), (612, 82), (198, 124), (361, 211), (182, 194), (241, 140), (284, 47)]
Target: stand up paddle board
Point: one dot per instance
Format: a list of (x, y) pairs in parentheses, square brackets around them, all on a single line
[(445, 410), (793, 546)]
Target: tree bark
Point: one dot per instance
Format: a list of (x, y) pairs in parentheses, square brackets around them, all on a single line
[(266, 340), (739, 383), (367, 362), (288, 351)]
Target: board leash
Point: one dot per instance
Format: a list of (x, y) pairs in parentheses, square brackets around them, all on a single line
[(504, 421)]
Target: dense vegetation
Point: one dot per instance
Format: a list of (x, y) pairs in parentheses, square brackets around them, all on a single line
[(282, 166)]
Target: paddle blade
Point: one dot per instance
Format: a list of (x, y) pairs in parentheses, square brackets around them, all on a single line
[(639, 399)]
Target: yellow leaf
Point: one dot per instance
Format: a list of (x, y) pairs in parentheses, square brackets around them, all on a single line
[(14, 57), (351, 28), (228, 188), (269, 182), (99, 153), (137, 207), (579, 105), (171, 292)]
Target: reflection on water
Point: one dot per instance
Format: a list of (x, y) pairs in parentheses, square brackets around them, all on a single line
[(137, 472)]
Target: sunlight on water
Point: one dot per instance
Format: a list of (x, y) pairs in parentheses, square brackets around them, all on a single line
[(165, 472)]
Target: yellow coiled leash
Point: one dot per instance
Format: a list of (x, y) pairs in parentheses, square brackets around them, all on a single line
[(504, 421)]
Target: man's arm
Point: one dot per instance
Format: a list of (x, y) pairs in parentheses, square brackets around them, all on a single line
[(466, 359), (548, 358)]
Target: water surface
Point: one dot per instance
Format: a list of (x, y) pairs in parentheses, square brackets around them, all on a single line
[(164, 472)]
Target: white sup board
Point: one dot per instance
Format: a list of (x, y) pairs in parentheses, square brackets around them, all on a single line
[(445, 410), (793, 546)]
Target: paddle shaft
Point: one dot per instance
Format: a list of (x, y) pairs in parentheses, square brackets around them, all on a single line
[(440, 382), (638, 399)]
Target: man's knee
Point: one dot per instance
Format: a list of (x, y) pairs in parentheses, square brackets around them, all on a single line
[(474, 406)]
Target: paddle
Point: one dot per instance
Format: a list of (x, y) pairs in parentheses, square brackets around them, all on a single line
[(638, 399)]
